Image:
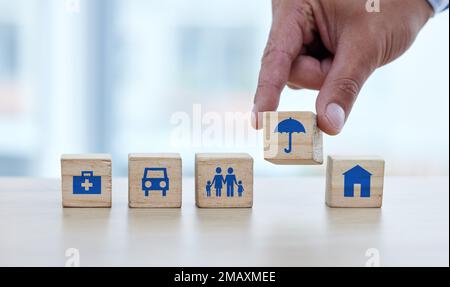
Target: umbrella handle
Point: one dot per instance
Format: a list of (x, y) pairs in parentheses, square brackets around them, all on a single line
[(289, 148)]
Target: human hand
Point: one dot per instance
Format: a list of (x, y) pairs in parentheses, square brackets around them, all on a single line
[(332, 46)]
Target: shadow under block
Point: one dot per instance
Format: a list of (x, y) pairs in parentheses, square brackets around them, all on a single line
[(86, 180), (292, 138), (235, 190), (354, 182), (154, 180)]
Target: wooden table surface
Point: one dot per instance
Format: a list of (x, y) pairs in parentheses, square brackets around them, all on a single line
[(288, 226)]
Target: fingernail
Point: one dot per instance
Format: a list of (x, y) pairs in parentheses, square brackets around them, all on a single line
[(336, 116)]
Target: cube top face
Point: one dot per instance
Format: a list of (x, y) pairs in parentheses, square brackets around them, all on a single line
[(141, 156), (223, 156), (224, 180), (154, 180), (97, 156), (86, 180), (292, 138), (355, 182)]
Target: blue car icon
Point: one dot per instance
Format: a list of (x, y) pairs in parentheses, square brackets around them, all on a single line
[(155, 178)]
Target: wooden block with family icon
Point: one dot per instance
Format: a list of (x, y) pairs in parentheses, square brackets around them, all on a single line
[(292, 138), (224, 180)]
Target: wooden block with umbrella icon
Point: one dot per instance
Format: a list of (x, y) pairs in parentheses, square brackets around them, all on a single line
[(292, 138)]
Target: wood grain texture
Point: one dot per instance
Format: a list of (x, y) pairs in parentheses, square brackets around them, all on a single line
[(338, 165), (289, 227), (74, 165), (205, 170), (136, 166), (307, 148)]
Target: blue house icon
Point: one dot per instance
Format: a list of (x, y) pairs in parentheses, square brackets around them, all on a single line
[(354, 176)]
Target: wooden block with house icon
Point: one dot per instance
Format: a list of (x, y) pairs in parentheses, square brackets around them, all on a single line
[(224, 180), (292, 138), (86, 180), (354, 181), (154, 180)]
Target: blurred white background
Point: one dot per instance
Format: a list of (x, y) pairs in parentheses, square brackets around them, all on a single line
[(108, 75)]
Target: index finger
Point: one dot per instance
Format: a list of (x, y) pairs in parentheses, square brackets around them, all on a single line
[(284, 44)]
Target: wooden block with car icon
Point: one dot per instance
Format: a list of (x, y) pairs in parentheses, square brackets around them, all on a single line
[(154, 180)]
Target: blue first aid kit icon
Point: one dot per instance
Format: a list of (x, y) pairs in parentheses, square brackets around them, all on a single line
[(87, 183)]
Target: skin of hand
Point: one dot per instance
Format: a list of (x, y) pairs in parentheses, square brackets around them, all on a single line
[(332, 46)]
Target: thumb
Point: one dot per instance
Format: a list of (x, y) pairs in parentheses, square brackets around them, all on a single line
[(350, 69)]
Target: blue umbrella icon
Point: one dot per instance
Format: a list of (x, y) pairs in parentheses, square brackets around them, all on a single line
[(290, 126)]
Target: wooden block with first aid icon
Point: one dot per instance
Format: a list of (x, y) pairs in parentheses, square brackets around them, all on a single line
[(224, 180), (354, 181), (86, 180), (154, 180), (292, 138)]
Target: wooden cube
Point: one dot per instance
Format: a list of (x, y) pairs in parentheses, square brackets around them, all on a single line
[(354, 181), (292, 138), (154, 180), (224, 180), (86, 180)]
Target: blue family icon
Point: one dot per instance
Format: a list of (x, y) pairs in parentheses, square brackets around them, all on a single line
[(354, 176), (240, 188), (290, 126), (208, 188), (230, 180), (155, 178), (219, 181), (87, 183)]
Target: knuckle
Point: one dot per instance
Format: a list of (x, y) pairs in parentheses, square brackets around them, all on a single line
[(277, 56), (275, 68), (347, 88), (275, 84)]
